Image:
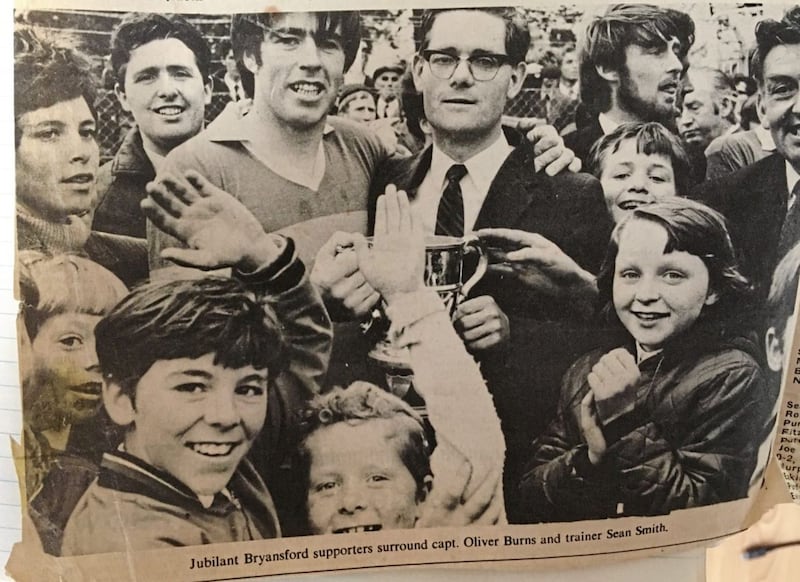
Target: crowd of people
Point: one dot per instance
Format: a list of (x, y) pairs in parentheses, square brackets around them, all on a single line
[(197, 369)]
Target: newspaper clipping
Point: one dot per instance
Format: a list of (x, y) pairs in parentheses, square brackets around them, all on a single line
[(469, 283)]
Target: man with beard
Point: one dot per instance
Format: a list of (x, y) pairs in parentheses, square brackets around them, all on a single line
[(631, 62)]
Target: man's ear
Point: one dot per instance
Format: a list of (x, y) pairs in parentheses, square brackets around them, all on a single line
[(416, 69), (711, 298), (726, 107), (517, 78), (123, 100), (118, 404), (774, 345), (250, 62), (607, 74), (208, 89)]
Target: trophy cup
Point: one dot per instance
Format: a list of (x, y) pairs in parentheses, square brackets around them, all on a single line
[(444, 271)]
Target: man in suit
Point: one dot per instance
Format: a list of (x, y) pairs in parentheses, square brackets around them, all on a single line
[(631, 64), (476, 176), (760, 200)]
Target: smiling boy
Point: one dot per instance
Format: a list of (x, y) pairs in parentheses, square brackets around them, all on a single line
[(197, 372), (186, 366)]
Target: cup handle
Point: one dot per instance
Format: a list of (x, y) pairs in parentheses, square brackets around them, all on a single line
[(473, 244)]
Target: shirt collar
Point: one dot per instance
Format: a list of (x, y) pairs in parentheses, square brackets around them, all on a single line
[(606, 123), (482, 167), (765, 137), (642, 354)]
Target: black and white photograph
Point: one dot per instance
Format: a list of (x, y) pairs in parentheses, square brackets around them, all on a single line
[(521, 279)]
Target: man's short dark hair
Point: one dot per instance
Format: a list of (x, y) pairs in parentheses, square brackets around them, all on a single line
[(771, 33), (248, 31), (49, 69), (138, 29), (168, 320), (622, 25), (518, 38)]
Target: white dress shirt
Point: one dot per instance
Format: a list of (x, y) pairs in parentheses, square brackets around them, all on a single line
[(481, 170)]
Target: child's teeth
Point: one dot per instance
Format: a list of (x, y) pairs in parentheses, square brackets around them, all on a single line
[(212, 449)]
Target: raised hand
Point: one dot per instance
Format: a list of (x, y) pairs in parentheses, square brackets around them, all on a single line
[(395, 261), (614, 381), (549, 151), (537, 262), (481, 323), (446, 504), (218, 230)]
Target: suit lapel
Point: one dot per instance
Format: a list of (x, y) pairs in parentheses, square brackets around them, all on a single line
[(515, 187)]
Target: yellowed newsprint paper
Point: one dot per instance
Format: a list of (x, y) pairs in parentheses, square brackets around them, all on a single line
[(332, 286)]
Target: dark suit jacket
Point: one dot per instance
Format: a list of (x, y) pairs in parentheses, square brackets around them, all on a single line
[(754, 201), (546, 337)]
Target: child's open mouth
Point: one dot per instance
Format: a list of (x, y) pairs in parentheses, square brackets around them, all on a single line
[(358, 529), (213, 449)]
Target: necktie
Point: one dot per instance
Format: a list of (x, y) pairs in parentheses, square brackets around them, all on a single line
[(450, 216), (790, 231)]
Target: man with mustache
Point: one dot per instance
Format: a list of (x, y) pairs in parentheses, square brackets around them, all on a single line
[(161, 65), (631, 64)]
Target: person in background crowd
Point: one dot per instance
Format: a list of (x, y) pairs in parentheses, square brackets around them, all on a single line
[(666, 421), (57, 158), (563, 101), (161, 65), (478, 176), (729, 153), (386, 81), (63, 298), (745, 87), (760, 200), (708, 108), (356, 102), (638, 164), (230, 75), (632, 59)]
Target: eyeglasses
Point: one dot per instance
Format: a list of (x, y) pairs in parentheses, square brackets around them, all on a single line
[(481, 67)]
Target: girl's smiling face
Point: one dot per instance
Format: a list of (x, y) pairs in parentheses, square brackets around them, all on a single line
[(657, 295)]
